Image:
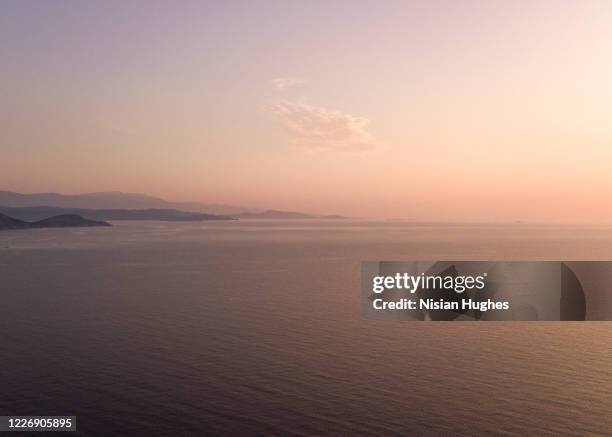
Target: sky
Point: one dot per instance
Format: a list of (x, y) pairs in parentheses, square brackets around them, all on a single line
[(428, 110)]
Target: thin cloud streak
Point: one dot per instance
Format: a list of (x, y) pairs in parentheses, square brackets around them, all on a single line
[(320, 128)]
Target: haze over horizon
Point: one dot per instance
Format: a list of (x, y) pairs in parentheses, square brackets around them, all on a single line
[(470, 111)]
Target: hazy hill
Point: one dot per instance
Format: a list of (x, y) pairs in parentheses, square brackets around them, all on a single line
[(148, 206), (7, 222), (60, 221), (33, 213), (112, 200), (67, 220)]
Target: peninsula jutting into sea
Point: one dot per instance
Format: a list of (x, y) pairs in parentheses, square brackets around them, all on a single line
[(116, 205), (58, 221)]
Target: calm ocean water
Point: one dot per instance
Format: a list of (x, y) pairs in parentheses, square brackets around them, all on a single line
[(254, 328)]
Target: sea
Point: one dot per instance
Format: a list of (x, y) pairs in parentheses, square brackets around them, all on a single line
[(254, 328)]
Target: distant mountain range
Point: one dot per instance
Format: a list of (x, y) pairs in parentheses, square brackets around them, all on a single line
[(33, 213), (113, 200), (60, 221), (130, 206)]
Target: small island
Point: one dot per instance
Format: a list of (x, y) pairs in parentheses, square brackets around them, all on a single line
[(59, 221)]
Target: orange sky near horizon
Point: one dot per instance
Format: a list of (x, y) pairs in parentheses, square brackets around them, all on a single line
[(442, 110)]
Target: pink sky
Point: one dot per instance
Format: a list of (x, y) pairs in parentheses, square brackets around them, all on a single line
[(475, 110)]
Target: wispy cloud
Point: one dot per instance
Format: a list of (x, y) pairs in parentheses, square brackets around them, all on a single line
[(324, 129), (283, 83)]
